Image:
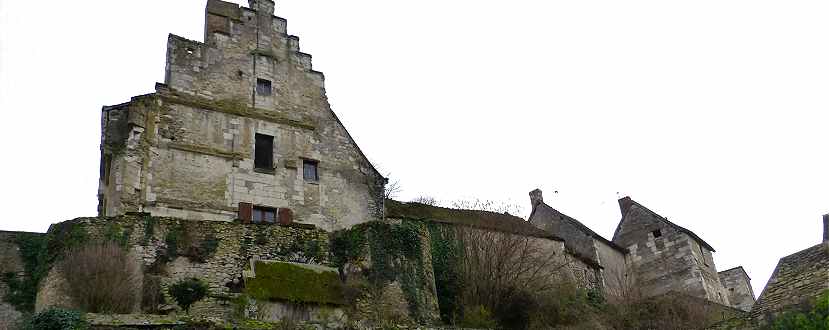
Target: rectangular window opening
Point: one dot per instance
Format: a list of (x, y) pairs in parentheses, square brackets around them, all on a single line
[(263, 87), (263, 214), (263, 152), (657, 233), (309, 170)]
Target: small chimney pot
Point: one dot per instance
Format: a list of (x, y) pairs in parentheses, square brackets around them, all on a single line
[(536, 198)]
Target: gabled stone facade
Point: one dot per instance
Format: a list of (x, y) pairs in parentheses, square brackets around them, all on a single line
[(666, 257), (738, 284), (241, 119), (648, 255)]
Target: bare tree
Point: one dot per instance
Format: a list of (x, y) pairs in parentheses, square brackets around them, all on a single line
[(497, 265), (102, 278), (427, 200), (392, 188), (488, 205)]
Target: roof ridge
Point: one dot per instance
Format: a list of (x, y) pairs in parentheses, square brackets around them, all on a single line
[(661, 217), (591, 232)]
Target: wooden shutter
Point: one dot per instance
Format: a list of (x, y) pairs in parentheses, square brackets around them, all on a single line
[(245, 212), (286, 216)]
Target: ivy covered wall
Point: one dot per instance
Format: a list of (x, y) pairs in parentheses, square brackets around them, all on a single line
[(170, 250)]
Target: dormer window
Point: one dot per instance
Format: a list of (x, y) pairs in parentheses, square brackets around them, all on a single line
[(263, 87)]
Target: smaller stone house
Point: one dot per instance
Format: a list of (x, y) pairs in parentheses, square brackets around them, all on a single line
[(582, 269), (648, 255), (798, 278), (738, 284), (667, 257), (583, 241)]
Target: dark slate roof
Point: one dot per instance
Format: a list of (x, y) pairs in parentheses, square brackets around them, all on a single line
[(626, 203), (473, 218), (797, 277), (544, 211)]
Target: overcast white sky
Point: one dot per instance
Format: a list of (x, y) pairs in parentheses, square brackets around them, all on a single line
[(712, 113)]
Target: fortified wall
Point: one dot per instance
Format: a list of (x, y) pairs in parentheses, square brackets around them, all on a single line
[(13, 278)]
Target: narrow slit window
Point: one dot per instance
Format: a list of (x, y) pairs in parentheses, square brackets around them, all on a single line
[(310, 170), (657, 233), (263, 153), (263, 87)]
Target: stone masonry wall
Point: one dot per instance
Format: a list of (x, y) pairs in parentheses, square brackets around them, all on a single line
[(235, 244), (188, 150), (11, 265), (671, 262), (740, 293), (616, 278), (796, 279)]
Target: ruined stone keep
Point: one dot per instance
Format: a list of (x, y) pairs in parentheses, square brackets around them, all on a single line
[(241, 127)]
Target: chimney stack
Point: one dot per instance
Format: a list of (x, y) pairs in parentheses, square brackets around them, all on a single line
[(825, 228), (535, 198)]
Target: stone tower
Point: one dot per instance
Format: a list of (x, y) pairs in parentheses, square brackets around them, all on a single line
[(240, 128)]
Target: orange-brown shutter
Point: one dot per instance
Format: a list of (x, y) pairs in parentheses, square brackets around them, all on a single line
[(245, 212), (286, 216)]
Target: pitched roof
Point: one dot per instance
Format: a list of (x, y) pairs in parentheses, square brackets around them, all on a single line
[(797, 277), (738, 268), (626, 203), (542, 210), (473, 218)]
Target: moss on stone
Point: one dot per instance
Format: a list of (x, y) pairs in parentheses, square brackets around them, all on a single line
[(295, 283), (207, 150), (235, 107)]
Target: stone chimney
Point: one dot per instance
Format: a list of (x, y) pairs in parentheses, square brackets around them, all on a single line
[(535, 198), (825, 228)]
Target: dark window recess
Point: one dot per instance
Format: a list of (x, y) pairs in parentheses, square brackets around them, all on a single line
[(105, 169), (264, 215), (309, 170), (657, 233), (263, 156), (263, 87), (731, 289)]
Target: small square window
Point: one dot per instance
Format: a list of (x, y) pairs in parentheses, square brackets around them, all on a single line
[(309, 170), (263, 87), (657, 233), (263, 215), (263, 152)]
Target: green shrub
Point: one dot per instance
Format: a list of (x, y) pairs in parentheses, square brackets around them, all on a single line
[(57, 319), (477, 317), (815, 317), (188, 291)]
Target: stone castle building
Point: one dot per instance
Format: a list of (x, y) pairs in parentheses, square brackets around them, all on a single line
[(648, 254), (241, 127)]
